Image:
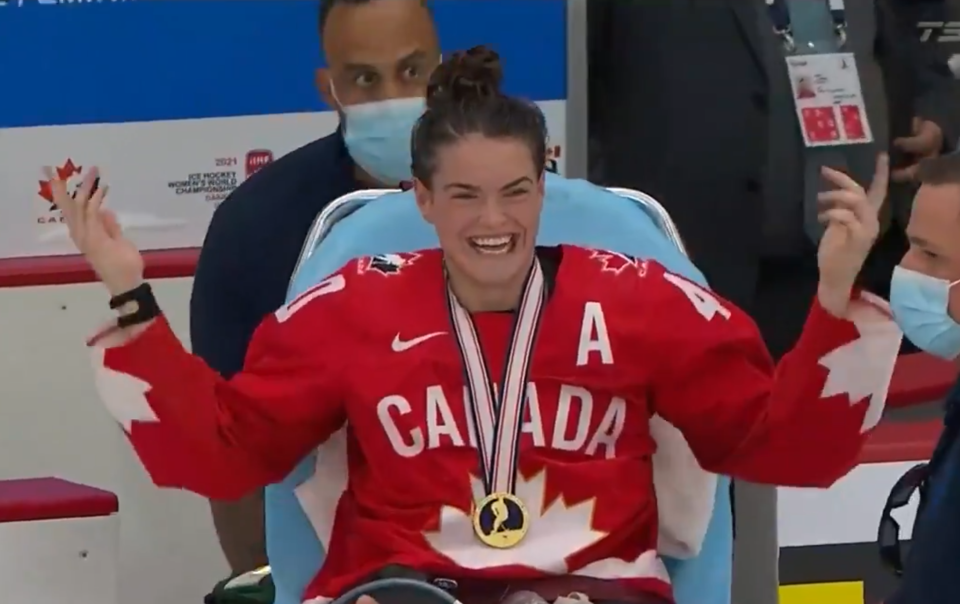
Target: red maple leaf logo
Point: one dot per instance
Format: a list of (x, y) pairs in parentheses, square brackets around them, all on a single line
[(64, 173), (614, 262)]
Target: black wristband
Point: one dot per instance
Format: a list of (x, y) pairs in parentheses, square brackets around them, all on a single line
[(147, 307)]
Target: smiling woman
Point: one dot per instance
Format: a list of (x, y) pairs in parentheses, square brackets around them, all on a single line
[(479, 162)]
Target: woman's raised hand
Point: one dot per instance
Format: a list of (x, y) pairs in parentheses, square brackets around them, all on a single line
[(851, 214), (96, 233)]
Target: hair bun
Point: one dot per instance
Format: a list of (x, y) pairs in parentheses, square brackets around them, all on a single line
[(466, 76)]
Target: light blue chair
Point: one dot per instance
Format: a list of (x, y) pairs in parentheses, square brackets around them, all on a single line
[(373, 222)]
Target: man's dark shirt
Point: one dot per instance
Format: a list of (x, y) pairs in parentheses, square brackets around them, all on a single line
[(253, 243), (931, 569)]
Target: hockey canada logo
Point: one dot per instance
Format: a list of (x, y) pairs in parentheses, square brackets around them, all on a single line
[(386, 264), (65, 173), (615, 262), (70, 173)]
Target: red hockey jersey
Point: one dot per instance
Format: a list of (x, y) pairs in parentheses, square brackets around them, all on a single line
[(365, 366)]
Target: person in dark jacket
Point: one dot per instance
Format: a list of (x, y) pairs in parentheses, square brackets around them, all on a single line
[(691, 102), (930, 575), (379, 55), (925, 299)]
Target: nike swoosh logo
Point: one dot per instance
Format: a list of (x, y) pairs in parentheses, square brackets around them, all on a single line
[(399, 345)]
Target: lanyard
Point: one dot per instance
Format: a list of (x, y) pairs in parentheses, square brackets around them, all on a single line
[(780, 16)]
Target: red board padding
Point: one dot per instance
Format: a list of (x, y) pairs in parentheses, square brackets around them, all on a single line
[(918, 379), (902, 441), (63, 270), (30, 499)]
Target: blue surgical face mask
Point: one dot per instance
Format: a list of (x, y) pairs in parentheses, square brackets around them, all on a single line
[(919, 303), (377, 135)]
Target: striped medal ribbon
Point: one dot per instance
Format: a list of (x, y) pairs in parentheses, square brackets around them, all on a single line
[(500, 519)]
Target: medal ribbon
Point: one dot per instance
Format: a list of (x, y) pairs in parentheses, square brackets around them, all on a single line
[(498, 420)]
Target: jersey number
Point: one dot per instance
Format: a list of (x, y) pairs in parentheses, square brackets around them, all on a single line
[(327, 286), (705, 302)]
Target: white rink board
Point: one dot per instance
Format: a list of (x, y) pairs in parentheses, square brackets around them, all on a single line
[(168, 548), (68, 561), (847, 512), (165, 177)]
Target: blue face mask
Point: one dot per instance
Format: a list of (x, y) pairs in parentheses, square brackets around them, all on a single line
[(378, 134), (919, 304)]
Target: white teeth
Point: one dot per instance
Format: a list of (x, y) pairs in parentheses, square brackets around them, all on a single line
[(491, 241), (492, 245)]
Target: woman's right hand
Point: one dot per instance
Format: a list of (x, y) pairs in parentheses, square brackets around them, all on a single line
[(96, 233)]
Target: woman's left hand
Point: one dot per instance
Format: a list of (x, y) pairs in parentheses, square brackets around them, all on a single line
[(852, 218)]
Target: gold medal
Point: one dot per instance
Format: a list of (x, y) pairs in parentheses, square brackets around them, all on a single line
[(501, 520)]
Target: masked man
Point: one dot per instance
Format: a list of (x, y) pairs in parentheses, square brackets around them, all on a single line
[(376, 83), (926, 303)]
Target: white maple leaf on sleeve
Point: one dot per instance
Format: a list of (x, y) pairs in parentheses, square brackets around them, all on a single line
[(124, 395), (862, 368), (319, 495)]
